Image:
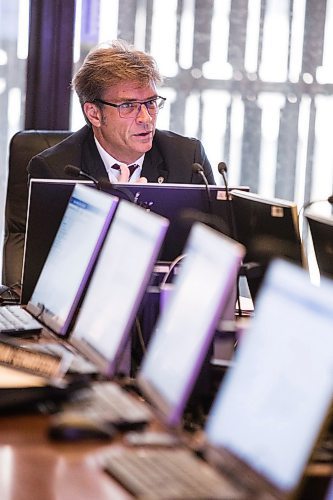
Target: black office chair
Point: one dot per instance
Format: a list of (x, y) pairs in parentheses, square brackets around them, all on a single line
[(23, 146)]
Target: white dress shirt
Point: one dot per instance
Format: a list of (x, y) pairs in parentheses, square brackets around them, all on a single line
[(113, 173)]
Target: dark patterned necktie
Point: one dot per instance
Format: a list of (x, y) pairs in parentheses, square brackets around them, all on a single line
[(131, 168)]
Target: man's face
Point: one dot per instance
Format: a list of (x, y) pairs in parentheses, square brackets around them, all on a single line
[(126, 139)]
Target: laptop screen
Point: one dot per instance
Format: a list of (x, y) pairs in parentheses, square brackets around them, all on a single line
[(72, 256), (42, 226), (186, 325), (272, 404), (118, 284)]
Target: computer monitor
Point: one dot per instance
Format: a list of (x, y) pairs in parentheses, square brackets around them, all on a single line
[(321, 228), (267, 227), (48, 199), (184, 204)]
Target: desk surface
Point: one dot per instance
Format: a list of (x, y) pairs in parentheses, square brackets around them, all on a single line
[(33, 467)]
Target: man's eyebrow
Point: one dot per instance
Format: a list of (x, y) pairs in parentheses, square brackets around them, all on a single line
[(131, 99)]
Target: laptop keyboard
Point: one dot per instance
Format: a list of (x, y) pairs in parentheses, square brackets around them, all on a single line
[(168, 474), (76, 362), (14, 319), (108, 402)]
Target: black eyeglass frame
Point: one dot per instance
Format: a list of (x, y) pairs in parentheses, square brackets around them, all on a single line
[(159, 100)]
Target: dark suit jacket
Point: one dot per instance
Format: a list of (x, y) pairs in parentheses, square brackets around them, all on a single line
[(170, 157)]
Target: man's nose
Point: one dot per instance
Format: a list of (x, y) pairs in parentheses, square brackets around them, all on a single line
[(143, 114)]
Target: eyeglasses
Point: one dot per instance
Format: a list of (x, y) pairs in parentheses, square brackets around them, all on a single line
[(131, 109)]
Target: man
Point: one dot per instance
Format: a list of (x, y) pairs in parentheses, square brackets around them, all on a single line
[(117, 89)]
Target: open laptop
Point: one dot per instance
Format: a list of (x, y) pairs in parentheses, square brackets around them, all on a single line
[(268, 227), (68, 265), (47, 202), (185, 328), (105, 316), (116, 289), (270, 407), (184, 331), (321, 228)]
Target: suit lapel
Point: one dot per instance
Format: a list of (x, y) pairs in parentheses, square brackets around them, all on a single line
[(91, 161), (153, 167)]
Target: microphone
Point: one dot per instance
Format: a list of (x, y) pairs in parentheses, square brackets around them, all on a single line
[(198, 169), (77, 172), (102, 184), (222, 168)]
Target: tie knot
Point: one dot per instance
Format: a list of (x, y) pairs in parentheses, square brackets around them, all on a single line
[(131, 168)]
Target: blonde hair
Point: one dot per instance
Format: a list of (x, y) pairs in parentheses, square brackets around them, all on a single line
[(110, 64)]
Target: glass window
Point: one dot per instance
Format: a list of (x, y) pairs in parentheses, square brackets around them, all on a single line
[(252, 80), (14, 23)]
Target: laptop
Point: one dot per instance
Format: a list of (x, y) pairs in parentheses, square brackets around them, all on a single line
[(268, 227), (321, 228), (117, 287), (47, 202), (68, 265), (270, 408), (105, 316), (184, 331), (185, 328)]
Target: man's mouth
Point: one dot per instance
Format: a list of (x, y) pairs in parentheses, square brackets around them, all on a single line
[(143, 134)]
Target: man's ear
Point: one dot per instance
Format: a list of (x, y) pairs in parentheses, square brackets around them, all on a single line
[(93, 113)]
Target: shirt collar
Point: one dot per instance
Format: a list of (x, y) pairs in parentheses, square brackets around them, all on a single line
[(108, 161)]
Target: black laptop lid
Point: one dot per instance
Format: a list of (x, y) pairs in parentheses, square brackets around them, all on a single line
[(268, 227)]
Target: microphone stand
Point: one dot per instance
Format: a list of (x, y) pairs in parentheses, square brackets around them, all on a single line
[(222, 168), (102, 184), (198, 169)]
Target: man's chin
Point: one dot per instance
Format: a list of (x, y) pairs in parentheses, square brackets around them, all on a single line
[(143, 146)]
